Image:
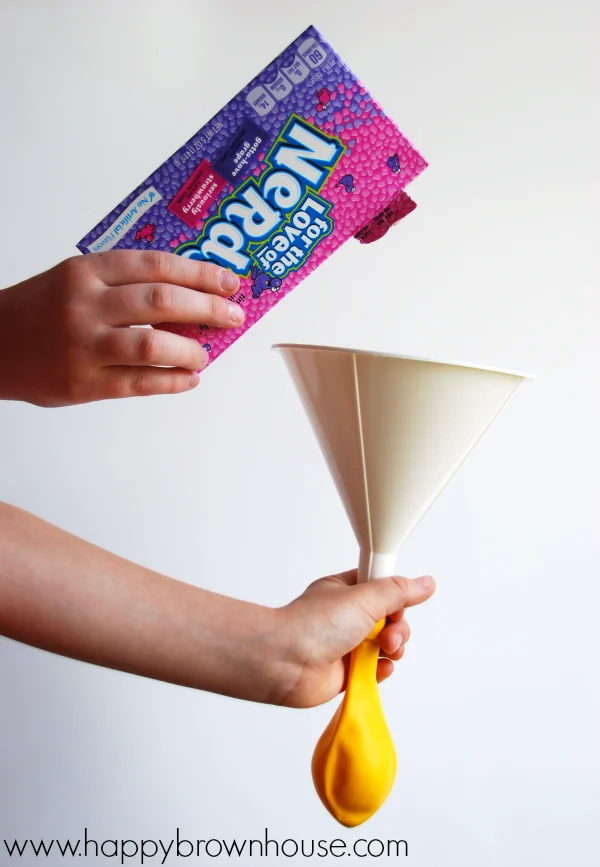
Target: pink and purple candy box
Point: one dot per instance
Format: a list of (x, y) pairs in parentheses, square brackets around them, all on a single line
[(302, 159)]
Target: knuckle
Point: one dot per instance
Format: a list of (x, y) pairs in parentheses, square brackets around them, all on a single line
[(216, 309), (172, 385), (118, 387), (141, 384), (69, 280), (402, 584), (110, 347), (71, 269), (149, 346), (74, 382), (108, 258), (159, 264), (73, 319), (161, 297), (192, 356), (72, 295), (203, 270), (125, 302)]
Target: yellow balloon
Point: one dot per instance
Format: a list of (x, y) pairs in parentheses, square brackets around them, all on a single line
[(354, 762)]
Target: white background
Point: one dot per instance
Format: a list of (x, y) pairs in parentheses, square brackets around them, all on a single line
[(495, 709)]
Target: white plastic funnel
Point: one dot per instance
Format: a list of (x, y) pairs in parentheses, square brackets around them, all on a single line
[(393, 431)]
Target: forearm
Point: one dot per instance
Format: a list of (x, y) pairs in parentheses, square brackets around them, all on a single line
[(66, 596)]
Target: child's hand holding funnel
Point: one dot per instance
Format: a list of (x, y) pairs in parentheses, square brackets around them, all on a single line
[(332, 617)]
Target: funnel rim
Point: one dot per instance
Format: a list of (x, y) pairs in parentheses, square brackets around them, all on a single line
[(350, 351)]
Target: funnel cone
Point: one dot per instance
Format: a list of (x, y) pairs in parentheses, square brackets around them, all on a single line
[(393, 431)]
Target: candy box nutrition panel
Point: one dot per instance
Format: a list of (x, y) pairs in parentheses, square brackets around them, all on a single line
[(298, 162)]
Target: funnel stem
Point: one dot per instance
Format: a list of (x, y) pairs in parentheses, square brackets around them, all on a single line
[(374, 565)]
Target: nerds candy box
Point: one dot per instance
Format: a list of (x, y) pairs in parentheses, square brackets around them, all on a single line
[(302, 159)]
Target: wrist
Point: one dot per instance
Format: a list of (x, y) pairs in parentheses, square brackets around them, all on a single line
[(263, 648), (284, 659), (240, 648)]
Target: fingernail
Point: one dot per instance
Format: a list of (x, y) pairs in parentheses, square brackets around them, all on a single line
[(426, 582), (193, 380), (397, 643), (236, 313), (230, 282)]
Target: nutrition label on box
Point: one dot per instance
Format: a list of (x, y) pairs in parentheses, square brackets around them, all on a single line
[(311, 54)]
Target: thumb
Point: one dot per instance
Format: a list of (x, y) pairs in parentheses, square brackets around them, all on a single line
[(384, 596)]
